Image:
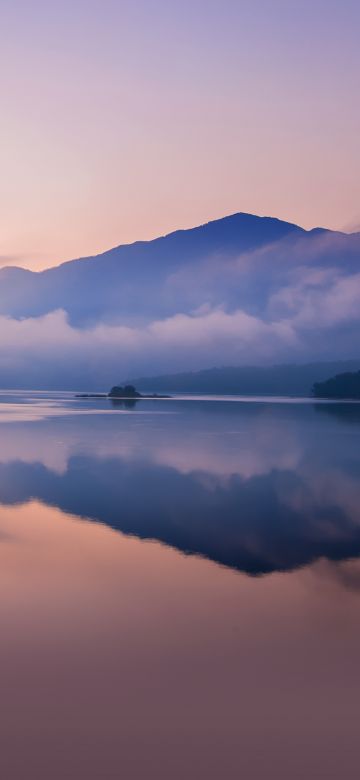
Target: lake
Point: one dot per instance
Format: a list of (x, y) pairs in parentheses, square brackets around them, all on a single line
[(179, 588)]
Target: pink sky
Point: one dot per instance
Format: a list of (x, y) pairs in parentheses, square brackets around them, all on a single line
[(123, 121)]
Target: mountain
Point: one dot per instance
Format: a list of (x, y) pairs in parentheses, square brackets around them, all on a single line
[(242, 290), (289, 379), (177, 272)]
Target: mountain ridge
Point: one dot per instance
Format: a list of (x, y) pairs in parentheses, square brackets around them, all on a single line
[(174, 233), (148, 280), (178, 231), (278, 379), (240, 290)]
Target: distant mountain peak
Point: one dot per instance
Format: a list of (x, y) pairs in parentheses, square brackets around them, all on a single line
[(154, 279)]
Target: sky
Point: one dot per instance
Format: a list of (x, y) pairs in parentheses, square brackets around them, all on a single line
[(124, 119)]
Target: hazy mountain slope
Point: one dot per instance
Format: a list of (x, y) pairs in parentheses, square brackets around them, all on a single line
[(243, 290), (148, 279), (253, 380)]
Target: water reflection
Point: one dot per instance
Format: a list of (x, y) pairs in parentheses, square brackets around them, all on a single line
[(126, 403), (125, 658), (344, 412), (256, 488)]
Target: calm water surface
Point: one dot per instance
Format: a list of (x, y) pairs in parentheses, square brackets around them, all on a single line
[(179, 589)]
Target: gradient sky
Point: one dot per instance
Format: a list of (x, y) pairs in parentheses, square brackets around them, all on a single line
[(124, 119)]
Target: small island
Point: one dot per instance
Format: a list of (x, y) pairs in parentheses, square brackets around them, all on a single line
[(342, 386), (124, 393)]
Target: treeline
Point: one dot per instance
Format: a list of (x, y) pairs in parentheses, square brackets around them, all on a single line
[(346, 385), (286, 379)]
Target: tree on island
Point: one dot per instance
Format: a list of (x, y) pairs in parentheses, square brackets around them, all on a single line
[(124, 392), (128, 392)]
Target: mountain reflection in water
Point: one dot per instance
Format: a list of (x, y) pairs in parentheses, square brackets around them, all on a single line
[(257, 487), (121, 658)]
